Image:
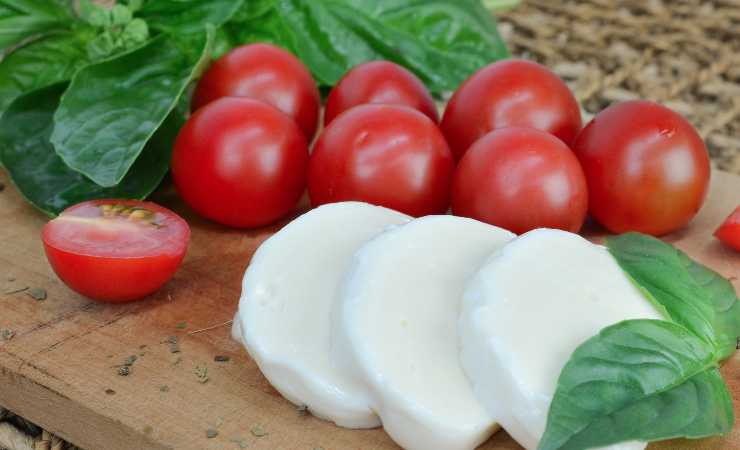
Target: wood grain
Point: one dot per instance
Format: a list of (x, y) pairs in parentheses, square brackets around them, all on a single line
[(60, 370)]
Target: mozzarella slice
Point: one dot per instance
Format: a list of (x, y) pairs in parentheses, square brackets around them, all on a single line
[(396, 329), (287, 295), (524, 314)]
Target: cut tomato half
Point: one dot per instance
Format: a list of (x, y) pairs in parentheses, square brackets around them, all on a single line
[(116, 250)]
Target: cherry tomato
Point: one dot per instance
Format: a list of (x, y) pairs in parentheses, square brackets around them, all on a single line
[(379, 82), (646, 167), (267, 73), (510, 93), (388, 155), (240, 162), (115, 250), (729, 232), (521, 179)]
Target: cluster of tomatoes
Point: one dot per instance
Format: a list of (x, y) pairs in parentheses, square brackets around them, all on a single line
[(509, 150)]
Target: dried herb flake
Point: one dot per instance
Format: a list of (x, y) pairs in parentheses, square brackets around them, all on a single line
[(202, 374), (258, 431), (222, 358), (38, 294), (211, 433), (124, 371)]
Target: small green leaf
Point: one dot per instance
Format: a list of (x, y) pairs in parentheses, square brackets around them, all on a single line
[(95, 15), (112, 108), (621, 378), (44, 179), (693, 295), (135, 33), (188, 16), (42, 62), (120, 15), (101, 46)]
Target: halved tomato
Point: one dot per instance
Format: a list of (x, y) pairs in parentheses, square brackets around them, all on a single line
[(116, 250), (729, 232)]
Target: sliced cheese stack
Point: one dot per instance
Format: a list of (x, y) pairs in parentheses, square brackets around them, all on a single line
[(396, 325), (524, 314), (287, 295)]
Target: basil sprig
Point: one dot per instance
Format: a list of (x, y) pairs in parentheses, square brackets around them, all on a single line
[(650, 380), (123, 70)]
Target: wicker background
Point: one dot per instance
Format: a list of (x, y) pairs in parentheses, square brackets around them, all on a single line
[(684, 54)]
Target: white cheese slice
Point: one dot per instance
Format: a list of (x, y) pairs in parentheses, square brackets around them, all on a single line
[(396, 329), (287, 296), (526, 311)]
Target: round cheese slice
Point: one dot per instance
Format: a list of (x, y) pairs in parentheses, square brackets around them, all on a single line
[(396, 329), (526, 311), (287, 295)]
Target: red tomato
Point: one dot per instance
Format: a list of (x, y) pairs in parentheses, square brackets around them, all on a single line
[(510, 93), (647, 169), (379, 82), (388, 155), (729, 232), (521, 179), (115, 250), (267, 73), (240, 162)]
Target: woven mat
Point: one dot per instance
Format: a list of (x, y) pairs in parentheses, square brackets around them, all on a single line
[(684, 54)]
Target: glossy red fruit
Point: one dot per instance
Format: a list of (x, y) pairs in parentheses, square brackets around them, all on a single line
[(387, 155), (267, 73), (379, 82), (240, 162), (647, 168), (510, 93), (115, 250), (521, 179), (729, 232)]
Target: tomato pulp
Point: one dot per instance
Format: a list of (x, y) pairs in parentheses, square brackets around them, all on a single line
[(266, 73), (379, 82), (521, 179), (510, 93), (646, 167), (115, 250), (387, 155), (240, 162)]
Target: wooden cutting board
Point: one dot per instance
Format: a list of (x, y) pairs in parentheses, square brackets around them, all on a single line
[(60, 370)]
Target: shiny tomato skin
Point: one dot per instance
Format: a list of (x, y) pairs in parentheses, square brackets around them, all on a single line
[(118, 259), (510, 93), (379, 82), (267, 73), (240, 162), (729, 232), (521, 179), (387, 155), (646, 167)]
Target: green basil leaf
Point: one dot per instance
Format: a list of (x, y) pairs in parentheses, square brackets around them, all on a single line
[(698, 408), (42, 62), (21, 19), (188, 16), (628, 373), (442, 41), (112, 108), (41, 175), (691, 294)]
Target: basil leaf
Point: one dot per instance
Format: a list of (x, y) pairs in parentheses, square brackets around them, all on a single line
[(628, 373), (691, 294), (21, 19), (442, 41), (112, 108), (41, 175), (188, 16), (698, 408), (42, 62)]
